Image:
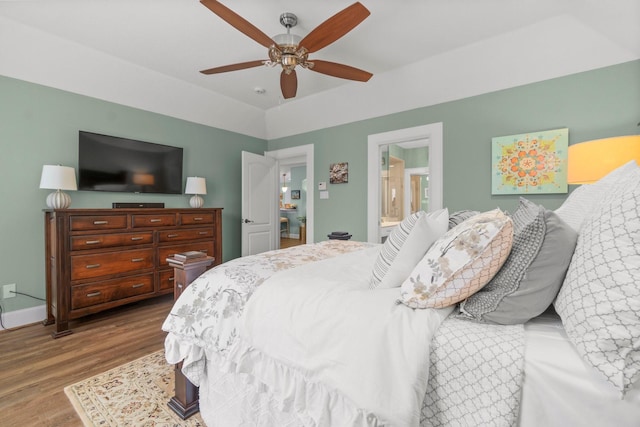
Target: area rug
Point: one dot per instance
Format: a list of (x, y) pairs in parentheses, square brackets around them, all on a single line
[(134, 394)]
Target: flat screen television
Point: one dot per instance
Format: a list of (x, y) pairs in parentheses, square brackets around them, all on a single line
[(109, 163)]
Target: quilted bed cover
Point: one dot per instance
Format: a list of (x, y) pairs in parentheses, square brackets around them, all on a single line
[(467, 374)]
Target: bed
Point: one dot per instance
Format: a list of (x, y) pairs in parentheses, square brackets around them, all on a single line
[(357, 334)]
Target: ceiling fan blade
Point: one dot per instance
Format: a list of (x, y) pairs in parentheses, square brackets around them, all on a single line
[(335, 27), (238, 22), (289, 84), (233, 67), (339, 70)]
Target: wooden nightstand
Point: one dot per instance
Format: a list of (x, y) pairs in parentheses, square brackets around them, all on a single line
[(185, 272), (185, 400)]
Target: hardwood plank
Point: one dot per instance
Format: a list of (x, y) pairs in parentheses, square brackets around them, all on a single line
[(35, 368)]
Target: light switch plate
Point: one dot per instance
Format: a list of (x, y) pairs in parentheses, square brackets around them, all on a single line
[(322, 186), (324, 194)]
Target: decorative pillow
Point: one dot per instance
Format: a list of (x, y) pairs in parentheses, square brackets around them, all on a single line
[(584, 199), (406, 245), (460, 216), (530, 278), (599, 301), (460, 262)]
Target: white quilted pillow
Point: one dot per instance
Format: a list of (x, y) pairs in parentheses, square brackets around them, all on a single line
[(461, 262), (406, 245), (585, 198), (599, 301)]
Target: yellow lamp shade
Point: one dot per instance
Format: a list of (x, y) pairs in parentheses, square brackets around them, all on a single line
[(589, 161)]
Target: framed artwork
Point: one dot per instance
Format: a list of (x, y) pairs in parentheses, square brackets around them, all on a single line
[(339, 173), (530, 163), (295, 194)]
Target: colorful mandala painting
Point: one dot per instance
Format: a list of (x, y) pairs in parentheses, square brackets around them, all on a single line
[(533, 163)]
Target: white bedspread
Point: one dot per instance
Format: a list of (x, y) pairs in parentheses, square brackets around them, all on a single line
[(288, 342)]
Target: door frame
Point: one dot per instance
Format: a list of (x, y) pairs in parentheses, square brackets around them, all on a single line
[(434, 134), (298, 154)]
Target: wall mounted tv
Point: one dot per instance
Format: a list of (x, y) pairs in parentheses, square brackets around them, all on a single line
[(109, 163)]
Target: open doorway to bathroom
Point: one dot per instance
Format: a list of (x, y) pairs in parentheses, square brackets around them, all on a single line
[(405, 172)]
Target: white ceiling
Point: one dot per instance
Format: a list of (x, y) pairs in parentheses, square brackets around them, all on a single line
[(174, 39)]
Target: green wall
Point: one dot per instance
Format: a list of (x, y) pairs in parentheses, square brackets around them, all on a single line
[(593, 104), (39, 125)]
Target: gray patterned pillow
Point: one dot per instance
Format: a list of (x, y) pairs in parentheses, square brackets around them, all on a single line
[(405, 247), (529, 280), (585, 198), (599, 302)]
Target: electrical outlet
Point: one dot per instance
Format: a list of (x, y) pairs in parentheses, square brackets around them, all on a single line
[(8, 291)]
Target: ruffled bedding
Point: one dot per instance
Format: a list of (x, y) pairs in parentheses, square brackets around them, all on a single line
[(205, 317), (263, 329)]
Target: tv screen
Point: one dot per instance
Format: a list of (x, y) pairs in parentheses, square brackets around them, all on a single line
[(109, 163)]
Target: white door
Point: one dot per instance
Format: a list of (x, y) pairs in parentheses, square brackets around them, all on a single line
[(259, 211)]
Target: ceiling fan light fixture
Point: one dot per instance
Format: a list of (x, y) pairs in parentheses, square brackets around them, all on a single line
[(289, 50), (287, 39)]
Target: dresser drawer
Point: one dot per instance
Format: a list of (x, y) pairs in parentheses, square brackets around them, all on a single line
[(185, 234), (110, 290), (150, 220), (166, 278), (96, 265), (196, 218), (98, 241), (99, 222), (169, 251)]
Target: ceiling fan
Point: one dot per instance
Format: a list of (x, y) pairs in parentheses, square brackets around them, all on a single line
[(289, 50)]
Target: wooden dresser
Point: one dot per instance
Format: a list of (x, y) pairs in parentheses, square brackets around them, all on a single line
[(96, 259)]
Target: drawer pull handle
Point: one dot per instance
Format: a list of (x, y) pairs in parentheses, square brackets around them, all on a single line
[(100, 222), (137, 259), (203, 233), (92, 242), (92, 265), (133, 239), (93, 294), (171, 279), (137, 285), (155, 220), (172, 235), (198, 219)]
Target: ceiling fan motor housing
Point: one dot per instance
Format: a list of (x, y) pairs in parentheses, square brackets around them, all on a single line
[(289, 20)]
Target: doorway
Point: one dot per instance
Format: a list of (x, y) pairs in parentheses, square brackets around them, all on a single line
[(404, 176), (293, 204), (296, 164)]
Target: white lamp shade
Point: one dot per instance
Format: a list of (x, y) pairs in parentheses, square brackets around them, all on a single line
[(195, 185), (56, 177)]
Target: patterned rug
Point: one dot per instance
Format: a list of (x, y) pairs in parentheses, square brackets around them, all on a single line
[(134, 394)]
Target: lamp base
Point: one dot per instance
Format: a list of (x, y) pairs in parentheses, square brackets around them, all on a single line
[(196, 201), (58, 200)]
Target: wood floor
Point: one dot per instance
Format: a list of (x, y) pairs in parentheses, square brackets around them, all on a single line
[(35, 368), (286, 242)]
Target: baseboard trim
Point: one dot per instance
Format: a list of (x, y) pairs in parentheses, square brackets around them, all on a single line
[(26, 316)]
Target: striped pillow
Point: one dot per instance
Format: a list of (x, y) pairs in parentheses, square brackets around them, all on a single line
[(405, 247)]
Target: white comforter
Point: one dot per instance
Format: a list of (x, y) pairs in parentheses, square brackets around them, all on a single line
[(348, 355), (205, 323)]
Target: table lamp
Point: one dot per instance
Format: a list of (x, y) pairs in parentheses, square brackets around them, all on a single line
[(196, 186), (56, 177), (591, 160)]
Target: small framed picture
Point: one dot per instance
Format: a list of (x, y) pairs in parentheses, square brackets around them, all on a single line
[(339, 173), (295, 194)]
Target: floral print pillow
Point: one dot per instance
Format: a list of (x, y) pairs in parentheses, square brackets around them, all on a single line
[(461, 262)]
